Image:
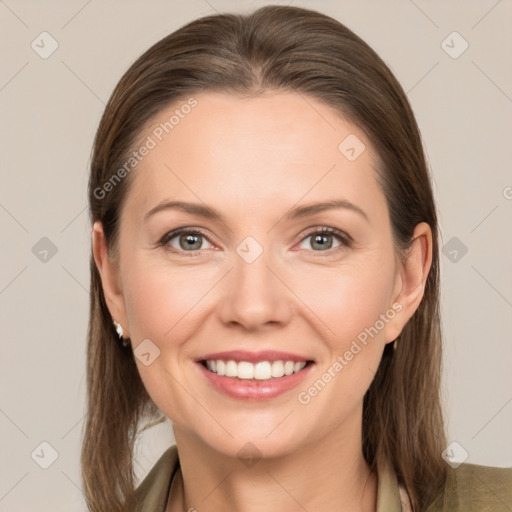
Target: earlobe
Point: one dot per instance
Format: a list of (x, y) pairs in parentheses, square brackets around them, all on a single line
[(413, 276), (109, 274)]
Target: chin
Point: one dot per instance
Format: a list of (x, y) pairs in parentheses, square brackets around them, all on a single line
[(254, 443)]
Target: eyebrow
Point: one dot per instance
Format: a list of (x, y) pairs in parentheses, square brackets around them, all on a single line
[(294, 213)]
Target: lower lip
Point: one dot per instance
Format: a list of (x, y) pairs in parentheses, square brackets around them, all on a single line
[(255, 389)]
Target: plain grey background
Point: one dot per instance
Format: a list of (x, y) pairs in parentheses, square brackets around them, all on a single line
[(50, 106)]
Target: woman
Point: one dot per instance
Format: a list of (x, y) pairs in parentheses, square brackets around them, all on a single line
[(265, 274)]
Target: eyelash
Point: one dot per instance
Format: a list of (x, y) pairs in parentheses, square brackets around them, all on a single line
[(346, 240)]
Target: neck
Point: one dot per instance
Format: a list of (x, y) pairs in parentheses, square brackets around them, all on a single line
[(328, 475)]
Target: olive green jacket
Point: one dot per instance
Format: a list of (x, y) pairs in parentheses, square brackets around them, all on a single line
[(469, 488)]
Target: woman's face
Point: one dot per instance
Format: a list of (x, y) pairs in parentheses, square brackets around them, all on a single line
[(261, 278)]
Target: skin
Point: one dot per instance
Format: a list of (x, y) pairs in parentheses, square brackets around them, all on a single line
[(253, 159)]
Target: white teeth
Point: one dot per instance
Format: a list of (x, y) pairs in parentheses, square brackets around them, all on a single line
[(245, 370), (221, 367), (263, 370), (288, 367), (277, 369), (231, 369)]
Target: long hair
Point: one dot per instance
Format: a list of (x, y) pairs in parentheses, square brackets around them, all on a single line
[(281, 49)]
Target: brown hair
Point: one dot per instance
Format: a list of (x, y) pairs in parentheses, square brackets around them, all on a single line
[(288, 49)]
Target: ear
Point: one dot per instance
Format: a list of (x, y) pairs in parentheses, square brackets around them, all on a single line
[(108, 269), (411, 279)]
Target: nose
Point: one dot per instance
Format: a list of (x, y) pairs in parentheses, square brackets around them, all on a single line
[(255, 295)]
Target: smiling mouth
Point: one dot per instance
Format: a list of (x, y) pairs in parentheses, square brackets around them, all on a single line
[(262, 370)]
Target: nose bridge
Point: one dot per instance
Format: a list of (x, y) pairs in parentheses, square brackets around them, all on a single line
[(255, 296)]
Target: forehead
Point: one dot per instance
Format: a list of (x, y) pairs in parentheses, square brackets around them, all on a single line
[(253, 153)]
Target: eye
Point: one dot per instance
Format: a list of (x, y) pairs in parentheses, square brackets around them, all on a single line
[(190, 241), (187, 240), (323, 239)]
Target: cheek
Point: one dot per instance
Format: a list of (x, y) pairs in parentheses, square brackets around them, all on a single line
[(349, 305), (163, 304), (161, 300), (346, 300)]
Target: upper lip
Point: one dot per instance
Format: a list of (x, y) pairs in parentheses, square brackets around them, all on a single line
[(254, 357)]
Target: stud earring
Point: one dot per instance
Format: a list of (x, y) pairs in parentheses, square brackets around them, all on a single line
[(120, 332)]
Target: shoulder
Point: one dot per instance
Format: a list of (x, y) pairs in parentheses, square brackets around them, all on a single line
[(475, 488), (152, 493)]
